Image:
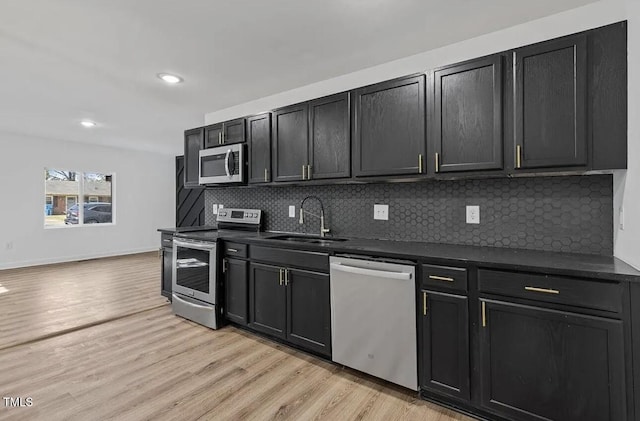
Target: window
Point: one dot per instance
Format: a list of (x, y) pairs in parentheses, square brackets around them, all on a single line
[(74, 198)]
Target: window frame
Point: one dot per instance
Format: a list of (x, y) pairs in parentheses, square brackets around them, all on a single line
[(80, 200)]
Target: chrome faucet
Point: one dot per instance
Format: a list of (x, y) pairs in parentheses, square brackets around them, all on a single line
[(323, 230)]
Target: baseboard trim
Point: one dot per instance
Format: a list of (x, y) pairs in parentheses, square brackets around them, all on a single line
[(66, 259)]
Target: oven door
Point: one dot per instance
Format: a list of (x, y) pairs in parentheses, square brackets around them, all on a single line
[(224, 164), (194, 270)]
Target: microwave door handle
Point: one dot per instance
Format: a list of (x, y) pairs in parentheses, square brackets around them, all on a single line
[(226, 163)]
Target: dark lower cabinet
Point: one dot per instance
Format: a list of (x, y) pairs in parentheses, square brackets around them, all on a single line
[(543, 364), (551, 104), (267, 300), (467, 116), (236, 294), (445, 344), (389, 128), (309, 310), (291, 304), (166, 254)]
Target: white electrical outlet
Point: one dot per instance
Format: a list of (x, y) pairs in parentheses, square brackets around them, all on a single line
[(292, 211), (381, 212), (214, 209), (473, 214), (220, 206)]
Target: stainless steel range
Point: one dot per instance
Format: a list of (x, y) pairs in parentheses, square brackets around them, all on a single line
[(196, 283)]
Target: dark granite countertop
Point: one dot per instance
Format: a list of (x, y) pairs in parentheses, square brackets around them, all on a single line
[(571, 264)]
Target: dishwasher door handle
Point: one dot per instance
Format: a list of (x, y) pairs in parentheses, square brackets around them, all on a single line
[(371, 272)]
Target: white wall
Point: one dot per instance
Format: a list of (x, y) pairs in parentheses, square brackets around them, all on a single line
[(626, 189), (144, 201)]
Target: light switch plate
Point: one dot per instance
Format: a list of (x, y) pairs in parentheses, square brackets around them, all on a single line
[(381, 212), (220, 206), (214, 209), (292, 211), (473, 214)]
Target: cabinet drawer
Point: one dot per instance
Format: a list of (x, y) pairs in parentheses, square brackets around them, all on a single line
[(553, 289), (444, 277), (235, 249), (167, 240), (296, 258)]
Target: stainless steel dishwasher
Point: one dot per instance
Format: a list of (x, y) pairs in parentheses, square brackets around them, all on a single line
[(373, 318)]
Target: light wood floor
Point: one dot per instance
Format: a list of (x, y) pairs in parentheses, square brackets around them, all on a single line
[(154, 366), (44, 300)]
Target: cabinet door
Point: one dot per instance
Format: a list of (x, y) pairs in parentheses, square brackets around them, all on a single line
[(330, 137), (290, 143), (467, 123), (542, 364), (309, 310), (167, 273), (193, 143), (236, 293), (550, 101), (259, 138), (213, 136), (233, 132), (267, 300), (389, 128), (445, 344)]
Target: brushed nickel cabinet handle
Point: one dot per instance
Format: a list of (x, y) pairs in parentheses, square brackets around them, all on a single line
[(441, 278), (308, 172), (544, 290), (518, 156), (280, 276), (437, 162), (286, 277), (233, 250), (219, 138), (266, 175), (484, 314), (303, 171), (424, 303), (420, 163)]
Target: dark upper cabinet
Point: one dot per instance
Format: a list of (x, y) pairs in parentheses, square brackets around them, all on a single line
[(193, 143), (466, 121), (267, 300), (329, 137), (225, 133), (213, 136), (445, 344), (309, 310), (236, 294), (259, 139), (389, 128), (551, 104), (537, 363), (290, 143)]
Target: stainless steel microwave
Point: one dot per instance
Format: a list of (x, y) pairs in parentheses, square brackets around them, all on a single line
[(222, 164)]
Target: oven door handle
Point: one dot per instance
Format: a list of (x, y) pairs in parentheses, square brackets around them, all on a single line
[(226, 163), (191, 245), (190, 303)]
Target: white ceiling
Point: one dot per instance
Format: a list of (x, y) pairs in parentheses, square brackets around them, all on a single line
[(65, 60)]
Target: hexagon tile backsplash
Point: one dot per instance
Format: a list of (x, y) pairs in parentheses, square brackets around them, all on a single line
[(567, 214)]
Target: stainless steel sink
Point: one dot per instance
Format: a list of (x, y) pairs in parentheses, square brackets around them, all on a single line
[(307, 239)]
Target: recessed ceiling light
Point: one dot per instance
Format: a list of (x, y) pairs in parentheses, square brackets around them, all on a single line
[(88, 123), (171, 79)]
